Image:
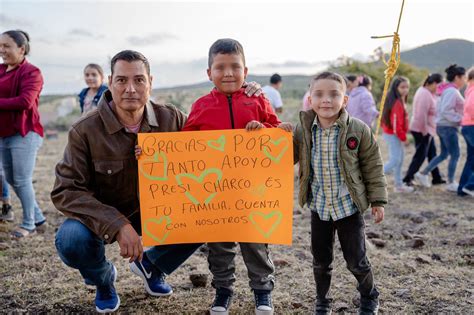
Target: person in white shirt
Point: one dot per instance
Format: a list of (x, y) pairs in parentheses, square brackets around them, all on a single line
[(272, 93)]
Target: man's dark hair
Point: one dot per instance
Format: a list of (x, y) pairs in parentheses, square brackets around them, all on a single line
[(227, 46), (21, 38), (275, 79), (129, 56)]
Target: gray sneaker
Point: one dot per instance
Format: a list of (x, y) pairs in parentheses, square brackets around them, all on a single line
[(7, 213)]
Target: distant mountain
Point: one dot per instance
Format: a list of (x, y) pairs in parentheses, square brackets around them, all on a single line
[(293, 85), (437, 56)]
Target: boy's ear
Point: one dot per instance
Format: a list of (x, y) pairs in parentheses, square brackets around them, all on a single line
[(246, 70), (110, 80), (344, 103), (209, 74)]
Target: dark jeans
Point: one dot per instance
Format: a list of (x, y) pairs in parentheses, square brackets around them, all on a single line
[(467, 176), (425, 148), (79, 248), (256, 257), (350, 232)]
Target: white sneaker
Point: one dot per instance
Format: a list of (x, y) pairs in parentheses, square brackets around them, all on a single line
[(403, 189), (423, 179), (469, 192), (452, 187)]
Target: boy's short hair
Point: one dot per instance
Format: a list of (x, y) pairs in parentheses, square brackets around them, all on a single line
[(226, 46), (328, 75), (275, 79)]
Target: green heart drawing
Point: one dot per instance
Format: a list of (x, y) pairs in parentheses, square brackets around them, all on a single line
[(258, 190), (157, 221), (266, 217), (156, 158), (277, 158), (199, 179), (218, 144)]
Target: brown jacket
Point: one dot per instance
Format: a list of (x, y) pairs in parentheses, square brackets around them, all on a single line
[(359, 160), (97, 179)]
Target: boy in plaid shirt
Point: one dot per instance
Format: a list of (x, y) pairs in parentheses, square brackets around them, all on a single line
[(340, 175)]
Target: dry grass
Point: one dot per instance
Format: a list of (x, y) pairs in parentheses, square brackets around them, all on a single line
[(33, 279)]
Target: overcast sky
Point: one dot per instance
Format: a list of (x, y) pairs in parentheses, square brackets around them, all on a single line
[(286, 37)]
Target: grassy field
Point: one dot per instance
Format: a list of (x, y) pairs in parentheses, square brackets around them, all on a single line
[(437, 277)]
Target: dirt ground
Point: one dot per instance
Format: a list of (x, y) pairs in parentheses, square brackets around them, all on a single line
[(437, 277)]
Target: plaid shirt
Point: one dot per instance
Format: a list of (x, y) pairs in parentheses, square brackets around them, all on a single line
[(330, 196)]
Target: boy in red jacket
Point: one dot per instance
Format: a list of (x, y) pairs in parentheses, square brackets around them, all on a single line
[(228, 107)]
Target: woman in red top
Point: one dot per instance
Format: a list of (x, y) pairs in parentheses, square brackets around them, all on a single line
[(21, 133), (395, 128)]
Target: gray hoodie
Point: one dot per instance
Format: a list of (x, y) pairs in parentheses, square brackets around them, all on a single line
[(450, 108)]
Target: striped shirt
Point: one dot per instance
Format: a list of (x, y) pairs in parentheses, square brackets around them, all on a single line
[(330, 196)]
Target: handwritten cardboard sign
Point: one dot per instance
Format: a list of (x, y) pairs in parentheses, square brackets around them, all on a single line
[(216, 186)]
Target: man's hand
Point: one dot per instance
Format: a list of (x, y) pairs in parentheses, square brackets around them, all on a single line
[(287, 126), (254, 125), (130, 243), (378, 214), (252, 88)]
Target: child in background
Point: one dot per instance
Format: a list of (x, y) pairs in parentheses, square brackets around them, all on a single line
[(466, 183), (228, 107), (395, 128), (423, 128), (449, 113), (90, 96), (361, 103), (340, 176), (352, 82)]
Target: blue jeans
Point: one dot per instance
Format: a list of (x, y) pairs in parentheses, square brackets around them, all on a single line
[(449, 147), (467, 176), (79, 248), (19, 158), (396, 153)]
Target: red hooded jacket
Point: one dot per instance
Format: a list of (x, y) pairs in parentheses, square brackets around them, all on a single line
[(19, 97), (398, 121), (216, 111)]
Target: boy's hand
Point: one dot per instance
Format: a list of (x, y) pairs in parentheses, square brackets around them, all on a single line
[(254, 125), (378, 214), (287, 126), (252, 88), (138, 151)]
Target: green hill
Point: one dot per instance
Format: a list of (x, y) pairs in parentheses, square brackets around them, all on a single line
[(437, 56)]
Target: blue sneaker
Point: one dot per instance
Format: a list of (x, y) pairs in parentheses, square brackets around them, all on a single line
[(106, 298), (153, 278)]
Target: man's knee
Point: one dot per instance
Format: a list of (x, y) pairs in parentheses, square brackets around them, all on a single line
[(76, 243)]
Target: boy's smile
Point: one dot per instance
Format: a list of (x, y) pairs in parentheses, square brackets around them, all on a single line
[(327, 98), (227, 72)]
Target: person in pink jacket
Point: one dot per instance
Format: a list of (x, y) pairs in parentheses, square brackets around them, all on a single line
[(423, 128), (466, 183)]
